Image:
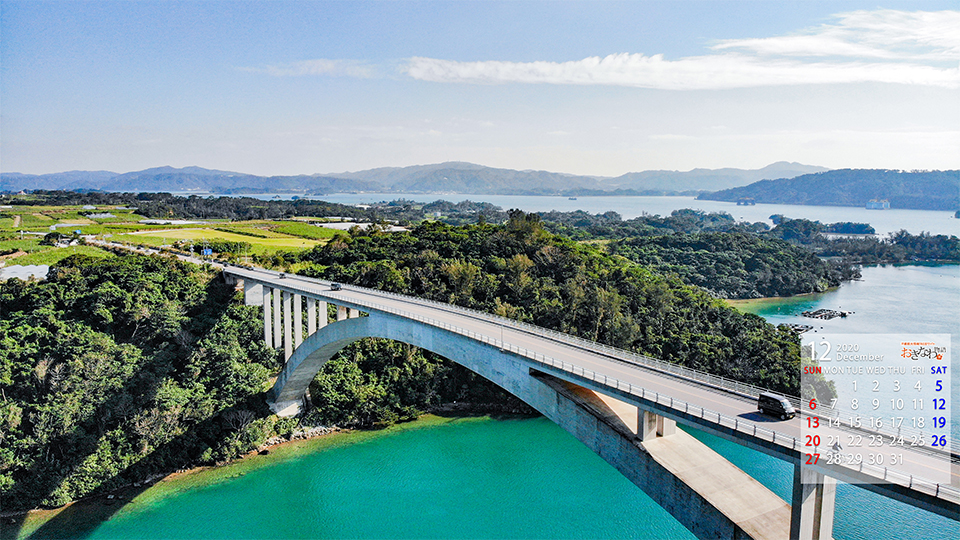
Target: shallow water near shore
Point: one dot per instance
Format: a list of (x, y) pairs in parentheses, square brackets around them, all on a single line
[(434, 478)]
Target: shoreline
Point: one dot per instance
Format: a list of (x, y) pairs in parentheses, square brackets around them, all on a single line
[(738, 302), (96, 509)]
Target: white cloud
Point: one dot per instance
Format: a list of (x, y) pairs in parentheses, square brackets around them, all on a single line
[(883, 46), (320, 66), (882, 34), (717, 71)]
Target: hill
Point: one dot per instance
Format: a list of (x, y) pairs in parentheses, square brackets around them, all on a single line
[(196, 179), (918, 190), (706, 179), (449, 177)]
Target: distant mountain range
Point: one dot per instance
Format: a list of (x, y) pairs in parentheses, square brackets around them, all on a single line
[(919, 190), (450, 177), (186, 179)]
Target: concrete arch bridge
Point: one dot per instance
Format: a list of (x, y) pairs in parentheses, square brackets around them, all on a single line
[(623, 406)]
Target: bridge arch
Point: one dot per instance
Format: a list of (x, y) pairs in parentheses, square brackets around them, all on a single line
[(501, 367), (574, 409)]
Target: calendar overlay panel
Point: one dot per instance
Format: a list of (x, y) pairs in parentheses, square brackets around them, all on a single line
[(879, 402)]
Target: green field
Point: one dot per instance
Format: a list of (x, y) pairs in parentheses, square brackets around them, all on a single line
[(260, 245), (265, 236), (54, 255), (305, 230), (29, 244), (38, 254)]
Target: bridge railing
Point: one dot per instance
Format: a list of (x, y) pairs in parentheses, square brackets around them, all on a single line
[(623, 355), (941, 491), (629, 357)]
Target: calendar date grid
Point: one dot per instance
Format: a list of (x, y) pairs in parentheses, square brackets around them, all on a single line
[(889, 398)]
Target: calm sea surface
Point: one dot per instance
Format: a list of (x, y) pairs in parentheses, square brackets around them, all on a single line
[(884, 221), (482, 478)]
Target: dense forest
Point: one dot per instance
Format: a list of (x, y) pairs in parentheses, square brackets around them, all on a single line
[(896, 248), (735, 265), (521, 271)]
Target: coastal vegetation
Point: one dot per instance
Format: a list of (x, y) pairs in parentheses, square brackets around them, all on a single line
[(865, 248)]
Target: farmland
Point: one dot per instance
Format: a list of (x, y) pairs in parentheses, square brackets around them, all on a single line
[(23, 228)]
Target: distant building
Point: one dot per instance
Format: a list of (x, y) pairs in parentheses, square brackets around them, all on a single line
[(746, 201), (878, 204)]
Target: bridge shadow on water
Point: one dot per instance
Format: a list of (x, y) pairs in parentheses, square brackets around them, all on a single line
[(81, 518)]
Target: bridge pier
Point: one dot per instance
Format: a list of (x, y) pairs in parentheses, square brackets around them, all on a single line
[(322, 316), (651, 425), (814, 501), (252, 293), (265, 302), (311, 316), (297, 320), (277, 331), (287, 326), (283, 324)]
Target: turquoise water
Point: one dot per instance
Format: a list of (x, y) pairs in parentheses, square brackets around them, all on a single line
[(474, 479)]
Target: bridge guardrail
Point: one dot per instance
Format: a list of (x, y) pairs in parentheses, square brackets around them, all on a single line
[(936, 489), (745, 389)]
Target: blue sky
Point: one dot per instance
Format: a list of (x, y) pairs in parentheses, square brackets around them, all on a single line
[(594, 87)]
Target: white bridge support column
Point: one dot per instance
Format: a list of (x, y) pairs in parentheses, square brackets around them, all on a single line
[(311, 315), (666, 426), (287, 333), (646, 425), (814, 501), (353, 313), (321, 314), (265, 301), (341, 313), (277, 331), (297, 320), (252, 293), (651, 425)]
